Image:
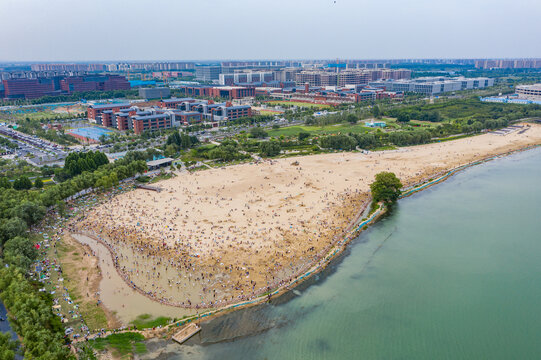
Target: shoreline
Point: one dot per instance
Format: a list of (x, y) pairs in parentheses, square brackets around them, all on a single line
[(336, 248)]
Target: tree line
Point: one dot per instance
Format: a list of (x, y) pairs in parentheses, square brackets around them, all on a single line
[(31, 310), (371, 141)]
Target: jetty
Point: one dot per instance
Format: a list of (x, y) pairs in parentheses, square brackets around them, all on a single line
[(148, 187), (186, 332)]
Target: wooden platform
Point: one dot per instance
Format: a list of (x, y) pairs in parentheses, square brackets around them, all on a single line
[(186, 332)]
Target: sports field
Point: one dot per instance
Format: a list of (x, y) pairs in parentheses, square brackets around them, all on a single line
[(93, 132)]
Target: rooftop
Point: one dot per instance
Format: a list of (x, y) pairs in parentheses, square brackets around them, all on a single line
[(109, 106), (530, 87), (149, 117), (159, 162), (172, 100)]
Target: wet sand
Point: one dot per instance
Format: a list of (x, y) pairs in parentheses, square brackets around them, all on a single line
[(116, 295), (221, 236)]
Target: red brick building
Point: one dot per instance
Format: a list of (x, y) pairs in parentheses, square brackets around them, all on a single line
[(189, 118), (172, 103), (94, 83), (30, 88), (96, 111), (58, 85), (225, 92), (150, 122), (232, 92)]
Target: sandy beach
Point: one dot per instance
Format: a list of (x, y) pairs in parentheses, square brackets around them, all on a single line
[(219, 236)]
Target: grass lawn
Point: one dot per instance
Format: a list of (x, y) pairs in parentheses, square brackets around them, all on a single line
[(299, 104), (385, 147), (161, 177), (123, 345), (320, 130), (146, 321), (270, 112), (38, 115), (426, 123)]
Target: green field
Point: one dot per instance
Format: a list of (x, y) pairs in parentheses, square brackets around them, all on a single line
[(146, 321), (320, 130), (299, 104), (123, 345)]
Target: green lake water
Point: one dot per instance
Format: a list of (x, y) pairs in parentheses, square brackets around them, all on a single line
[(453, 273)]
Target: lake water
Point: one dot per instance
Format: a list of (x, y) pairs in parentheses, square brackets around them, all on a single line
[(5, 326), (4, 322), (453, 273)]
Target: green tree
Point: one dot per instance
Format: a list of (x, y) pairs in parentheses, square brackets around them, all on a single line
[(7, 347), (171, 150), (376, 112), (20, 252), (22, 183), (351, 118), (87, 353), (61, 208), (269, 148), (303, 135), (386, 188), (338, 142), (403, 117), (11, 228), (38, 183), (5, 183), (30, 212), (257, 132)]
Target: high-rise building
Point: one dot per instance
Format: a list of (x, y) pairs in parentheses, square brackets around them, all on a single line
[(94, 83), (207, 72), (58, 85), (30, 88), (246, 77), (508, 64)]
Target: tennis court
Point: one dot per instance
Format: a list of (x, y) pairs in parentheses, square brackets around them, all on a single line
[(93, 133)]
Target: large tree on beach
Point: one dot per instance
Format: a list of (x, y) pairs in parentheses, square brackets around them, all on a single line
[(386, 188)]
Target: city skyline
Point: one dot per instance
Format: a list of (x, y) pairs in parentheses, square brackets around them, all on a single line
[(62, 30)]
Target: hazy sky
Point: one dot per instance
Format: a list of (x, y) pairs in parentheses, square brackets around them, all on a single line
[(75, 30)]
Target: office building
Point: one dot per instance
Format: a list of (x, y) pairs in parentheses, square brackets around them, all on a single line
[(95, 111), (508, 64), (348, 76), (60, 85), (173, 102), (69, 67), (30, 88), (207, 72), (248, 77), (170, 113), (150, 122), (224, 92), (94, 83), (434, 85)]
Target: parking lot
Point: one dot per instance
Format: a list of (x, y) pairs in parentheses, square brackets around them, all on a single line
[(32, 148)]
